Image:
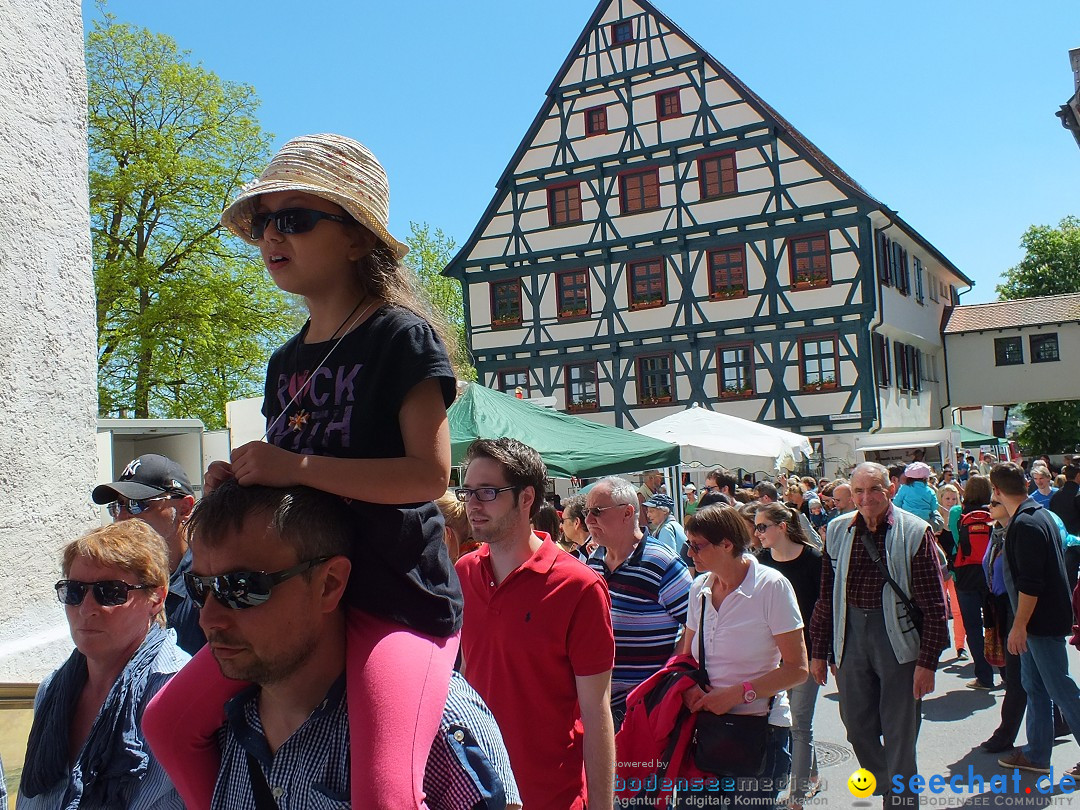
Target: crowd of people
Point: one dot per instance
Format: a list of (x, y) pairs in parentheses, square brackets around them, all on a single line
[(328, 627)]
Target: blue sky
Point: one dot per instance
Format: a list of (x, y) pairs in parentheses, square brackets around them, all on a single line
[(944, 111)]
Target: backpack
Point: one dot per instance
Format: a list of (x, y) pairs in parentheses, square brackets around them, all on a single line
[(974, 530)]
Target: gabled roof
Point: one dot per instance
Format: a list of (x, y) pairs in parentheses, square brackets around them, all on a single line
[(1036, 311), (814, 155)]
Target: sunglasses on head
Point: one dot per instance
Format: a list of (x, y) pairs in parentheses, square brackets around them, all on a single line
[(242, 589), (107, 592), (137, 507), (290, 220)]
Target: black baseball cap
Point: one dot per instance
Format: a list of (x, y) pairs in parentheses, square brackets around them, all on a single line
[(145, 477)]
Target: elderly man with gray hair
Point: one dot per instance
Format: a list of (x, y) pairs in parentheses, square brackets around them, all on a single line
[(648, 582), (880, 622)]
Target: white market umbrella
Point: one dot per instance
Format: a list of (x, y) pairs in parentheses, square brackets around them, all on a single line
[(709, 438)]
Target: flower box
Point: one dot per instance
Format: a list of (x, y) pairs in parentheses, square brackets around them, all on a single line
[(736, 392), (806, 282), (507, 321), (824, 385), (582, 406), (573, 313), (728, 293), (660, 400)]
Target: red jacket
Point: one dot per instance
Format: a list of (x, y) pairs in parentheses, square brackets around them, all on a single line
[(653, 745)]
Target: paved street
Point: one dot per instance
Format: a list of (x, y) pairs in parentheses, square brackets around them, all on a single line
[(955, 720)]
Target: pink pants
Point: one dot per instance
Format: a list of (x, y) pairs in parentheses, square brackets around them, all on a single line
[(959, 636), (396, 681)]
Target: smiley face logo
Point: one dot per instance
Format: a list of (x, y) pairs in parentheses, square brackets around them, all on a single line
[(861, 783)]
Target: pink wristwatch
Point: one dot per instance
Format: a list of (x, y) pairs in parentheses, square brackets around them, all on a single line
[(748, 693)]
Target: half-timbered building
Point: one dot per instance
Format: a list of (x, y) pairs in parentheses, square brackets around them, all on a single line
[(662, 236)]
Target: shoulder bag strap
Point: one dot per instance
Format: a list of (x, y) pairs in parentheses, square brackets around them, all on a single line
[(703, 676), (264, 799), (871, 549)]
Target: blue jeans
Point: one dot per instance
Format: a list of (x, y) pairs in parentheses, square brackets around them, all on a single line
[(1044, 671), (803, 699), (971, 610), (751, 792)]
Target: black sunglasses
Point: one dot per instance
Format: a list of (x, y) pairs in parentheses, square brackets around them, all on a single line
[(107, 592), (242, 589), (290, 220)]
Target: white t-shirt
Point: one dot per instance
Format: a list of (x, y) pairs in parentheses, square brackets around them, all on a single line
[(738, 638)]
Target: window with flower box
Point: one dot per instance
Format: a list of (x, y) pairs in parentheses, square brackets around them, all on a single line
[(506, 303), (654, 380), (809, 260), (572, 289), (639, 191), (727, 273), (581, 391), (648, 286), (735, 369), (818, 364)]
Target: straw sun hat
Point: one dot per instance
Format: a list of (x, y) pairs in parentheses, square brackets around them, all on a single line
[(333, 167)]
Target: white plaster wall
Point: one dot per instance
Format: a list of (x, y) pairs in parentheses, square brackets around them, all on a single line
[(47, 333), (976, 379)]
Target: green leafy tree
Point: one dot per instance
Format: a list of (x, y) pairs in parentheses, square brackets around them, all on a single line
[(1051, 266), (428, 255), (186, 312)]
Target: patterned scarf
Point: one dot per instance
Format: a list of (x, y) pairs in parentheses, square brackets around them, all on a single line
[(114, 757)]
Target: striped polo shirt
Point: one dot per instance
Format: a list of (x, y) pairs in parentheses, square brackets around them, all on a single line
[(648, 608)]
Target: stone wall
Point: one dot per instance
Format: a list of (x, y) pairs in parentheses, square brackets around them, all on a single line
[(48, 387)]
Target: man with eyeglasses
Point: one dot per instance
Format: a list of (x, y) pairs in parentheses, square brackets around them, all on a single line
[(536, 635), (648, 582), (156, 490), (1038, 590), (882, 638), (269, 569)]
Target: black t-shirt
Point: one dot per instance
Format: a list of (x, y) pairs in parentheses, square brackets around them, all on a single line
[(1035, 559), (804, 574), (401, 569)]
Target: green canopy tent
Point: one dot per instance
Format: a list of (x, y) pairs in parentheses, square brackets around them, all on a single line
[(972, 438), (569, 446)]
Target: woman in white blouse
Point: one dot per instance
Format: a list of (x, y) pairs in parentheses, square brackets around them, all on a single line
[(752, 642)]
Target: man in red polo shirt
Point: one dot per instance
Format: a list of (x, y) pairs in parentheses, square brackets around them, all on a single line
[(536, 636)]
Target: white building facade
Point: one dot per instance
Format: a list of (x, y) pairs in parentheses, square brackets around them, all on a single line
[(662, 237)]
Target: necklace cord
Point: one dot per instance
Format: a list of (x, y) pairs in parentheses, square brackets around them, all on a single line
[(300, 339)]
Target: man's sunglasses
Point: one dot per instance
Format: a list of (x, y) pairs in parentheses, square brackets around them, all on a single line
[(242, 589), (107, 592), (597, 511), (290, 220), (137, 507)]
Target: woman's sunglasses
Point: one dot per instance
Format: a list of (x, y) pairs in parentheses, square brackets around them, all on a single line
[(290, 220), (137, 507), (107, 592), (242, 589)]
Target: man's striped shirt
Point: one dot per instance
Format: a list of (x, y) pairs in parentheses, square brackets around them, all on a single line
[(648, 608)]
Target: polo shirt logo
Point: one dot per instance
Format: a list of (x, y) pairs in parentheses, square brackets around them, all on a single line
[(528, 616)]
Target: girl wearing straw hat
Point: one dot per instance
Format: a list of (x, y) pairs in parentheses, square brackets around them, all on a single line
[(355, 405)]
